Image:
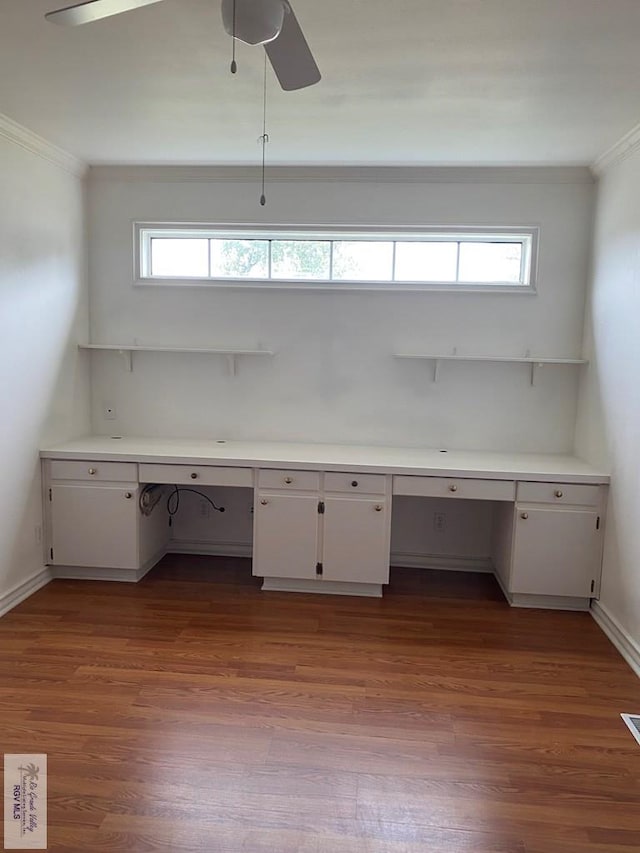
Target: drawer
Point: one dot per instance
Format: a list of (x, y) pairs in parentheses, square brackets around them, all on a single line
[(455, 487), (308, 481), (370, 484), (559, 493), (194, 475), (67, 469)]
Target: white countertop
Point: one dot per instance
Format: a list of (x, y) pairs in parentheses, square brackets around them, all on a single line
[(342, 457)]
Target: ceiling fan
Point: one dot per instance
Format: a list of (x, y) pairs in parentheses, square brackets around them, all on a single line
[(271, 23)]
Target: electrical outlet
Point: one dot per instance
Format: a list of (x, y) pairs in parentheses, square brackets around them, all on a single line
[(439, 522), (109, 412)]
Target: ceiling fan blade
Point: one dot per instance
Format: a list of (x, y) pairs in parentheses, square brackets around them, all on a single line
[(290, 56), (93, 10)]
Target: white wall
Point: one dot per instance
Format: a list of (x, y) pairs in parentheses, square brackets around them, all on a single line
[(333, 378), (43, 313), (608, 430)]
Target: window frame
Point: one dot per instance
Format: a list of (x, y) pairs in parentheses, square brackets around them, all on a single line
[(528, 236)]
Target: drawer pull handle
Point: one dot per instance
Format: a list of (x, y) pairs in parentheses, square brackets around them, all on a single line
[(524, 515), (453, 488), (288, 480), (128, 495), (194, 476), (93, 471), (378, 507), (354, 483), (558, 493), (264, 501)]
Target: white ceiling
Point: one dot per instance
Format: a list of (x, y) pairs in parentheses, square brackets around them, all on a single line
[(404, 82)]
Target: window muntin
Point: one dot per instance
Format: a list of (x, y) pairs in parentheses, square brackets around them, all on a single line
[(467, 259)]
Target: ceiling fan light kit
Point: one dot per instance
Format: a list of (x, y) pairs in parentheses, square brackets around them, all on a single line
[(251, 22)]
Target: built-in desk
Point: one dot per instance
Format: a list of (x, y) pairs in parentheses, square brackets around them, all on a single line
[(322, 513)]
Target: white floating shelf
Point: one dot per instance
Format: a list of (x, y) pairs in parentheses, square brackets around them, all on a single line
[(127, 351), (534, 361)]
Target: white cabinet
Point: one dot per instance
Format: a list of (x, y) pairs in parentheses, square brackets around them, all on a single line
[(327, 530), (548, 547), (285, 535), (557, 552), (355, 544), (94, 526), (318, 527)]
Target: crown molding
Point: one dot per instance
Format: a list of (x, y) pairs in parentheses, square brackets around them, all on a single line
[(622, 150), (345, 174), (30, 141)]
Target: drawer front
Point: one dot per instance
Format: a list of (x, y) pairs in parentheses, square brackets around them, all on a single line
[(559, 493), (455, 487), (67, 469), (194, 475), (370, 484), (308, 481)]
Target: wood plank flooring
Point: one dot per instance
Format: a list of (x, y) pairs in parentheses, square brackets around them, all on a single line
[(192, 712)]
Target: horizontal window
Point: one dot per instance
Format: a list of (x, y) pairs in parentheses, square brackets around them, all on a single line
[(363, 258)]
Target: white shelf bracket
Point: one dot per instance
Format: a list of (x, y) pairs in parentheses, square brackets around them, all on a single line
[(436, 369), (232, 365), (127, 354), (535, 365)]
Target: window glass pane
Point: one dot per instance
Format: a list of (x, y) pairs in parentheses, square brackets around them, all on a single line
[(240, 258), (426, 261), (493, 262), (297, 259), (358, 260), (177, 256)]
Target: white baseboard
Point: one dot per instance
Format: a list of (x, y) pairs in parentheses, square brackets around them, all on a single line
[(23, 590), (210, 549), (542, 602), (621, 639), (401, 559), (322, 587), (409, 560), (86, 573), (549, 602), (93, 573)]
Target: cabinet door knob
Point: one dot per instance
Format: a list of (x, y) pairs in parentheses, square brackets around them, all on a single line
[(453, 488), (92, 471), (378, 507), (194, 476), (264, 501), (524, 515), (354, 483), (558, 493), (128, 495), (288, 480)]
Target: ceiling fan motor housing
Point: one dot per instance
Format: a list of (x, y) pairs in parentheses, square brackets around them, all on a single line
[(256, 21)]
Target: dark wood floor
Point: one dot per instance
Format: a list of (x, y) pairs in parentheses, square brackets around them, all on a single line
[(191, 712)]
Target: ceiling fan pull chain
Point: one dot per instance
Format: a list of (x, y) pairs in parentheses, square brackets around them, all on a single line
[(234, 64), (265, 136)]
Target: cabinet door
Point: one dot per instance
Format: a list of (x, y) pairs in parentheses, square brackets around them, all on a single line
[(285, 540), (94, 526), (356, 540), (556, 552)]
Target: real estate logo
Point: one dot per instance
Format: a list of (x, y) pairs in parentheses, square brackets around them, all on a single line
[(25, 802)]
